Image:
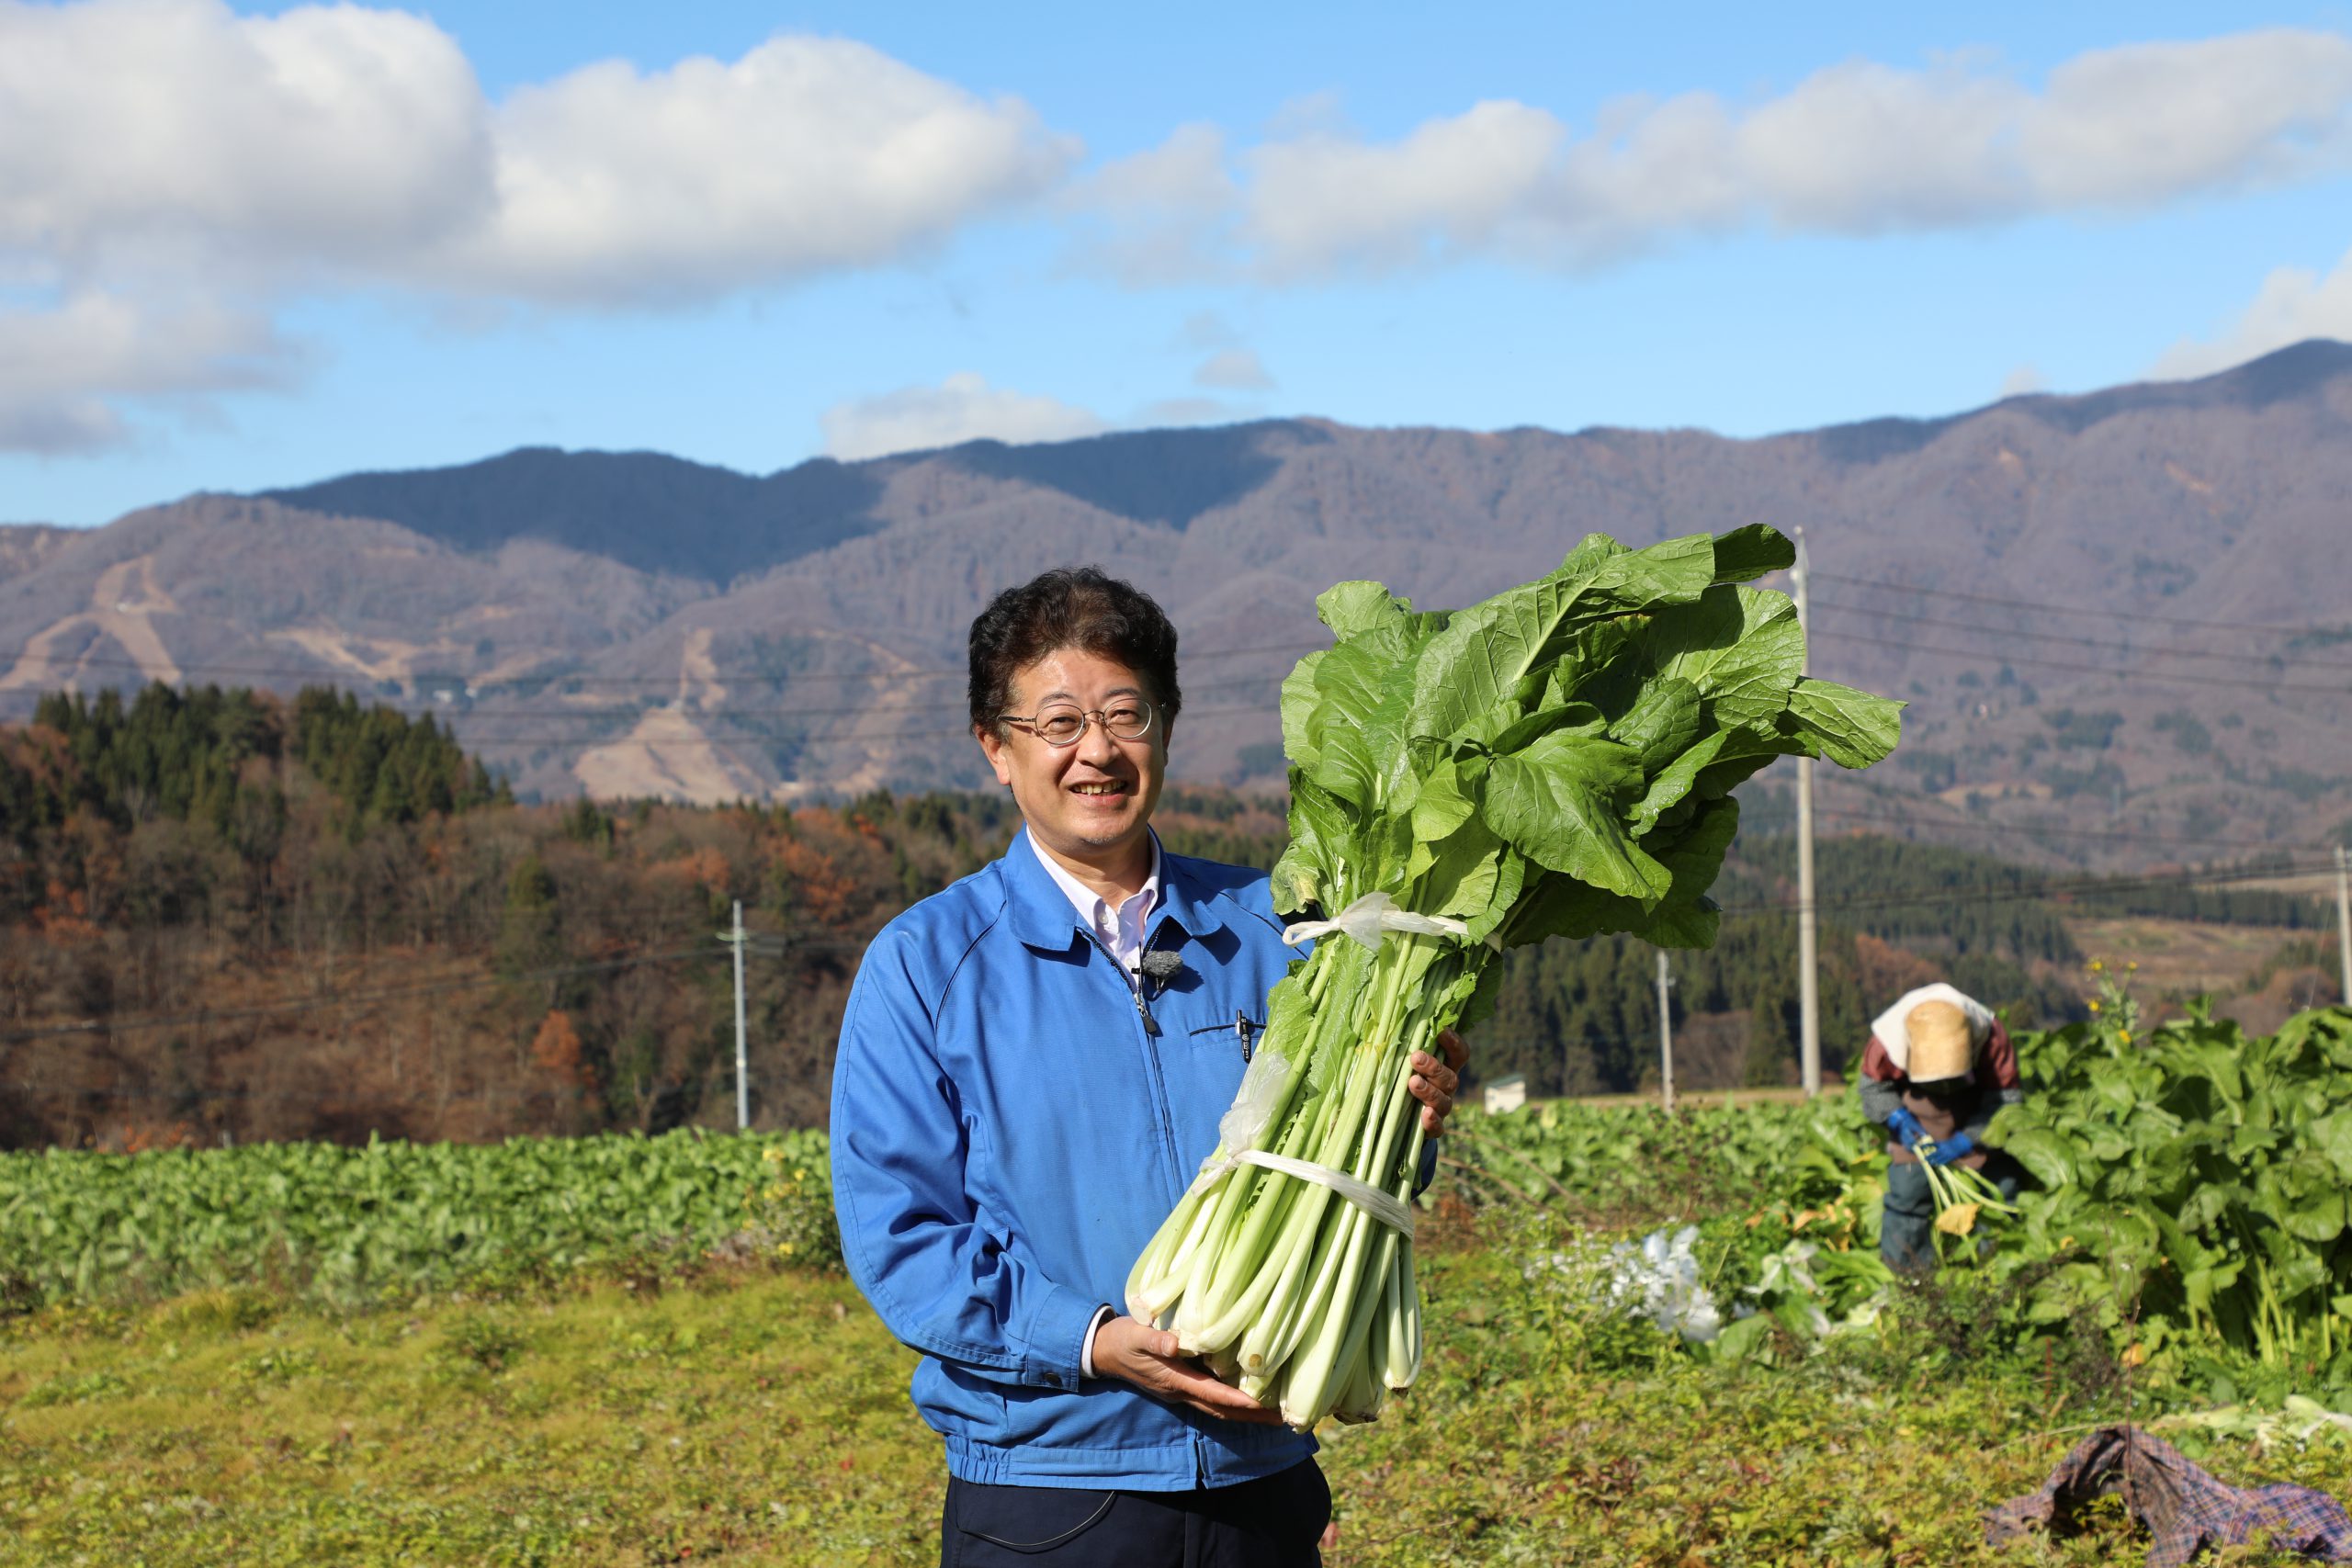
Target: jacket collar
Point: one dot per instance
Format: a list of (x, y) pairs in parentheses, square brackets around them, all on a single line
[(1041, 914)]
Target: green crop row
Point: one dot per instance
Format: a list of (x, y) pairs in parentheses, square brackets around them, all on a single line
[(386, 1218)]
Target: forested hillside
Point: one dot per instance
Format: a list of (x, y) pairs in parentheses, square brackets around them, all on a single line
[(225, 914)]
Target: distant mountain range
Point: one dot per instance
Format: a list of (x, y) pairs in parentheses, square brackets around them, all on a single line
[(2125, 615)]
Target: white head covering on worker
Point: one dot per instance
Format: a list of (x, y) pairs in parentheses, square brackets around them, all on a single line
[(1940, 1055)]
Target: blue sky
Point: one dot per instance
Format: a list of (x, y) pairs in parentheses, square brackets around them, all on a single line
[(265, 245)]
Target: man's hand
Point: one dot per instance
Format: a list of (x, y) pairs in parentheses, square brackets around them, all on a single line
[(1147, 1357), (1958, 1147), (1433, 1081), (1904, 1127)]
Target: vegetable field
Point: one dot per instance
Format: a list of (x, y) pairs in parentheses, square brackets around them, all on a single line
[(1649, 1340), (353, 1224), (2185, 1218)]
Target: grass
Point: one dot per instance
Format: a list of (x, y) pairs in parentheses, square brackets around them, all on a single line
[(756, 1417)]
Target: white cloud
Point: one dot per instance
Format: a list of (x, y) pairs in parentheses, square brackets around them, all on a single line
[(1161, 216), (160, 150), (149, 133), (61, 370), (2024, 378), (1233, 368), (808, 154), (1856, 148), (2292, 304), (1444, 189), (962, 408)]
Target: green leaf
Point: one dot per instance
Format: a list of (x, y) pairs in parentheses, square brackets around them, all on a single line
[(1321, 831), (1676, 781), (1477, 663), (1442, 806), (1687, 917), (1357, 725), (1556, 803), (1745, 753), (1672, 571), (1462, 880), (1553, 905), (2332, 1136), (1299, 701), (1546, 718), (1750, 552), (2041, 1151), (1741, 647), (1851, 728), (1350, 608), (1484, 653), (1512, 871), (1662, 724), (1742, 1339)]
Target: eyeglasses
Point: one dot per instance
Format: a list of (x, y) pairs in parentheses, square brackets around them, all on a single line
[(1126, 720)]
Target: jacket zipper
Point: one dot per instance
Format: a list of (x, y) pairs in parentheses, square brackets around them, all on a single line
[(1151, 1027)]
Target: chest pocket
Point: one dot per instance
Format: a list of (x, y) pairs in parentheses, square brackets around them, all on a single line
[(1240, 1036)]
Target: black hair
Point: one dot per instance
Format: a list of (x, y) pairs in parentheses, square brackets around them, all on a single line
[(1071, 606)]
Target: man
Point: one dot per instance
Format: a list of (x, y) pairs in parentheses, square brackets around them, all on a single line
[(1032, 1066), (1939, 1065)]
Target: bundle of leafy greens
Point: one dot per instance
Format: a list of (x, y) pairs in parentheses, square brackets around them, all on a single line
[(1554, 761)]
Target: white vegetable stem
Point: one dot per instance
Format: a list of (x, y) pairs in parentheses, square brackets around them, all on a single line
[(1299, 1296)]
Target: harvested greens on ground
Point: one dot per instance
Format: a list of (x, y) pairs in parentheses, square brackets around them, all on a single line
[(1556, 761)]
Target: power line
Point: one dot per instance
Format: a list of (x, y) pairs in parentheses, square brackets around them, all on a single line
[(2337, 630), (2081, 889), (2028, 830), (2137, 649), (107, 1024), (2153, 676), (118, 1023)]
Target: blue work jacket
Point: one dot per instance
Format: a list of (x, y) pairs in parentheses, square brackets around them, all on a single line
[(1007, 1136)]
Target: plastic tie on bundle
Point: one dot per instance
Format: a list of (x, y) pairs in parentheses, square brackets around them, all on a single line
[(1245, 1121), (1372, 918)]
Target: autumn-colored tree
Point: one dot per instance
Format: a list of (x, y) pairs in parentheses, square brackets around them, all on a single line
[(556, 1048)]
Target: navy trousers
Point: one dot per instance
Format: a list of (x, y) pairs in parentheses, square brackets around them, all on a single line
[(1273, 1522)]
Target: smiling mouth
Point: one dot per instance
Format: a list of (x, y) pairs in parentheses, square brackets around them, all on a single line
[(1100, 789)]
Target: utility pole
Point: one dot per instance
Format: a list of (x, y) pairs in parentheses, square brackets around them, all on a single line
[(1665, 1035), (1808, 978), (743, 1050), (2343, 923)]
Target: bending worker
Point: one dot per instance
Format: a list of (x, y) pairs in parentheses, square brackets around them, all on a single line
[(1939, 1065)]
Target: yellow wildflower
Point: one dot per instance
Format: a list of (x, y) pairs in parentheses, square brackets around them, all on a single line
[(2094, 1007)]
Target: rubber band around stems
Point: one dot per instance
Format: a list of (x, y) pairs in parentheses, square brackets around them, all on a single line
[(1372, 918), (1384, 1207)]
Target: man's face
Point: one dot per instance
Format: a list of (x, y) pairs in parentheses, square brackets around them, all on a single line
[(1090, 803)]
